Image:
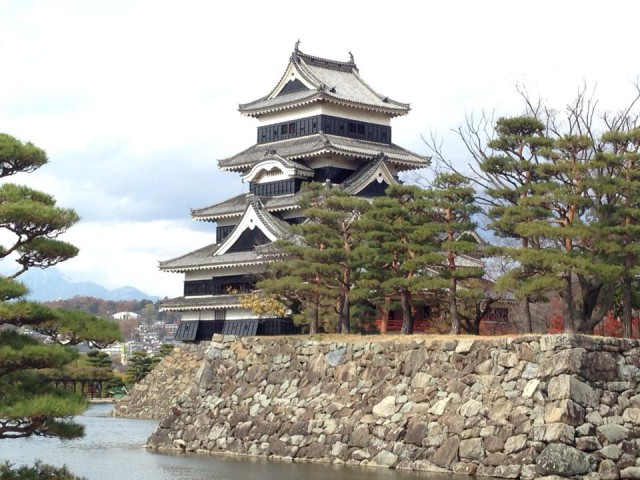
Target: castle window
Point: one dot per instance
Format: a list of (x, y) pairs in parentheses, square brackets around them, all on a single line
[(328, 124)]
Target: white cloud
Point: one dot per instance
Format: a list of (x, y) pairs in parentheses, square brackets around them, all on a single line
[(135, 101), (127, 253)]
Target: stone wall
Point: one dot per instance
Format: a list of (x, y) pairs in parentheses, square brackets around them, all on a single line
[(521, 407), (160, 389)]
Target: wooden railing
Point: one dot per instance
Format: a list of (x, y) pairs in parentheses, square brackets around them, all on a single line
[(396, 325)]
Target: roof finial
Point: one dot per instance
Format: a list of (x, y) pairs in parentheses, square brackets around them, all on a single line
[(296, 49), (351, 57)]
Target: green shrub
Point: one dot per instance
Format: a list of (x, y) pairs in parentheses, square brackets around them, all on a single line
[(39, 471)]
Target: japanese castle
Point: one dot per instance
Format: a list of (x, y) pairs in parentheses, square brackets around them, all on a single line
[(321, 122)]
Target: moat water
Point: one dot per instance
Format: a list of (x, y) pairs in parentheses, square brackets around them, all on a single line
[(113, 449)]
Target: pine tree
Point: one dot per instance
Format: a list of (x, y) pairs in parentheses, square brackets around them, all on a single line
[(619, 203), (510, 172), (31, 221), (400, 244), (319, 269), (140, 364), (451, 206)]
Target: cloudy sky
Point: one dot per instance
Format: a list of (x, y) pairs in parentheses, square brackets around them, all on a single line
[(135, 101)]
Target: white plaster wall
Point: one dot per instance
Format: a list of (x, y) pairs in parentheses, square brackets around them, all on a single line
[(232, 314), (324, 109), (225, 222), (222, 272)]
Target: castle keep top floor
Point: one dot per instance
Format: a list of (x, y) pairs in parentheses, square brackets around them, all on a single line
[(321, 107)]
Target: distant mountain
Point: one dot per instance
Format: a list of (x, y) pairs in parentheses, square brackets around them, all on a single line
[(51, 284)]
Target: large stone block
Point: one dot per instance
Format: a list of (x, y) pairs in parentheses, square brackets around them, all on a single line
[(630, 472), (464, 468), (507, 359), (608, 470), (384, 459), (471, 449), (564, 411), (447, 453), (515, 444), (565, 387), (500, 410), (563, 460), (416, 431), (420, 380), (611, 433), (386, 407), (558, 432), (360, 436), (493, 443), (563, 362), (599, 366), (471, 408), (588, 444)]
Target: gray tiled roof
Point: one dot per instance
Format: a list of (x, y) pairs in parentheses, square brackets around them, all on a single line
[(204, 258), (320, 143), (231, 207), (276, 226), (283, 202), (362, 176), (463, 261), (332, 81), (234, 207), (200, 303)]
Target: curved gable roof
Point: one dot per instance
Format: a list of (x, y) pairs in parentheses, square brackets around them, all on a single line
[(273, 161), (325, 80), (255, 216)]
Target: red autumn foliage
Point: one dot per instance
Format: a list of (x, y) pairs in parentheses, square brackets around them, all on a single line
[(610, 326)]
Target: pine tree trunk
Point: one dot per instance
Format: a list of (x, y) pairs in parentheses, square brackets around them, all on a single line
[(407, 314), (345, 316), (569, 307), (528, 324), (627, 328), (315, 313), (339, 310), (453, 308), (597, 299), (345, 303)]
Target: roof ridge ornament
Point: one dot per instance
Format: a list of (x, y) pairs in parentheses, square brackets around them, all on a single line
[(296, 51), (351, 60)]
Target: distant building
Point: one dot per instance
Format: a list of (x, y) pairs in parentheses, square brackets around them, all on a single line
[(321, 122), (126, 316)]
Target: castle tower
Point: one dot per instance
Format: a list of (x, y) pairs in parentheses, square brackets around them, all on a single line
[(321, 122)]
